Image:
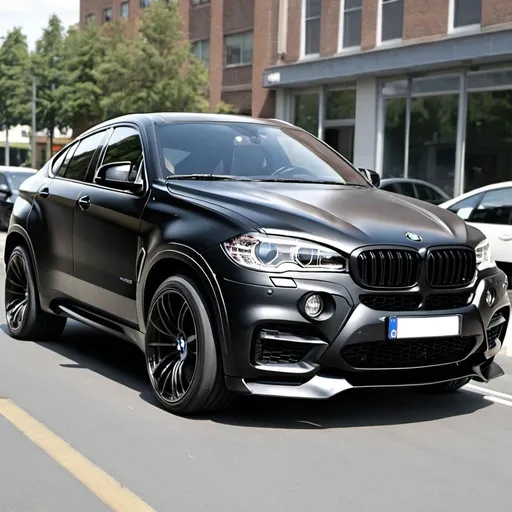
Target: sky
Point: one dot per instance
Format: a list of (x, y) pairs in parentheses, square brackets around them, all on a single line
[(32, 16)]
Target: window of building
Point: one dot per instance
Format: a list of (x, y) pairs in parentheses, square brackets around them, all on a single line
[(90, 18), (201, 49), (145, 3), (125, 10), (312, 14), (306, 107), (107, 15), (340, 104), (238, 48), (199, 2), (391, 20), (351, 23), (465, 13)]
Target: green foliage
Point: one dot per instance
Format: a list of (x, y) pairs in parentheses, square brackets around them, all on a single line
[(79, 93), (14, 80), (47, 65), (153, 72)]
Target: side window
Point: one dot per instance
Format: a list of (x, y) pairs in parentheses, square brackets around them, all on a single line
[(125, 146), (407, 189), (79, 163), (57, 163), (390, 187), (424, 193), (495, 208), (465, 207)]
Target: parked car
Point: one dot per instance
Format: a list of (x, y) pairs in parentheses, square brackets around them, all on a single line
[(415, 188), (489, 209), (245, 255), (10, 180)]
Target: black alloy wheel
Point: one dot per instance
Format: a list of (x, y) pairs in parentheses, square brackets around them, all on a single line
[(181, 353), (16, 292), (25, 318)]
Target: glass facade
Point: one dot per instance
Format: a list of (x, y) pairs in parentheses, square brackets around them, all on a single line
[(452, 130)]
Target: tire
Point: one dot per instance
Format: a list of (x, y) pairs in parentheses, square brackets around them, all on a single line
[(182, 357), (448, 387), (24, 317)]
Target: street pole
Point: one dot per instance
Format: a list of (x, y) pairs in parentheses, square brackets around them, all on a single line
[(7, 148), (34, 159)]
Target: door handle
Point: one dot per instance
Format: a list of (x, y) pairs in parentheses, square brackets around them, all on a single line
[(505, 237), (84, 202), (44, 192)]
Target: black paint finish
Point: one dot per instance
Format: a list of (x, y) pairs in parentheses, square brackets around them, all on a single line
[(100, 253)]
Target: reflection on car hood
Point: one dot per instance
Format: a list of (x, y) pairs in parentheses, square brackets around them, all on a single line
[(346, 217)]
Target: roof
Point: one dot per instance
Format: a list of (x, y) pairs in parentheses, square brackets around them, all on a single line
[(170, 117), (11, 168), (492, 186)]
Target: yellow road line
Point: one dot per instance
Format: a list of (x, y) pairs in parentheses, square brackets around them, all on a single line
[(106, 488)]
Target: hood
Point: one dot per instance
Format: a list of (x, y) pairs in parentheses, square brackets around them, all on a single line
[(344, 217)]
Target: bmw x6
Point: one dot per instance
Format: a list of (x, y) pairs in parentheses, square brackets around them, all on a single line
[(247, 256)]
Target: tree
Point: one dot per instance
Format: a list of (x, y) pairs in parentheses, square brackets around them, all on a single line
[(14, 83), (47, 64), (79, 93), (155, 71)]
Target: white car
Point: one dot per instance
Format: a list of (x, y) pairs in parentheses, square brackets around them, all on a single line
[(489, 209)]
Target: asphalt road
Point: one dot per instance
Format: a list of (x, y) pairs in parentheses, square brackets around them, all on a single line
[(99, 434)]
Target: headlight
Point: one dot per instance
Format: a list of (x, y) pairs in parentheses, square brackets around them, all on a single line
[(279, 254), (483, 256)]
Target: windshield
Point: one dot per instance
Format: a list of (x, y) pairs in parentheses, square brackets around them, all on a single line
[(250, 151)]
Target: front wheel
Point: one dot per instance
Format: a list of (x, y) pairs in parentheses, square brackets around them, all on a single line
[(25, 318), (182, 358)]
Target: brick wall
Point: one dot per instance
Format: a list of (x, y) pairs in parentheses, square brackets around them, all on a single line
[(199, 21), (238, 15), (294, 30), (425, 18), (369, 24), (329, 27), (495, 12)]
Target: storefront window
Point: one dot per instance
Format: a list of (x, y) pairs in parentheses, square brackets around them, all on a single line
[(341, 104), (433, 132), (488, 157), (306, 107)]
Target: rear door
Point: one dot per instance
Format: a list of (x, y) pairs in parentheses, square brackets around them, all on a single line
[(50, 226), (106, 233)]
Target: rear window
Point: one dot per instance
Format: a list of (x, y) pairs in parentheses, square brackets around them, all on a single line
[(249, 150), (16, 179)]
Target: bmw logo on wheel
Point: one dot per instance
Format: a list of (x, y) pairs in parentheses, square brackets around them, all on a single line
[(413, 237)]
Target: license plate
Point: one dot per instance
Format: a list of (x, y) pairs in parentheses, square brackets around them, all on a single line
[(423, 327)]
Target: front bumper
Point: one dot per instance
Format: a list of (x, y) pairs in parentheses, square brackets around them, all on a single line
[(310, 358)]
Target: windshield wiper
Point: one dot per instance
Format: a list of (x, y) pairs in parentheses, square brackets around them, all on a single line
[(317, 182), (206, 177)]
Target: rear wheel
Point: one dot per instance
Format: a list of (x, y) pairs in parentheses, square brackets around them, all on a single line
[(182, 358), (25, 318), (448, 387)]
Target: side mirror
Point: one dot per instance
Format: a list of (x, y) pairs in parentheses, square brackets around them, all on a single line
[(372, 176), (4, 189), (117, 175)]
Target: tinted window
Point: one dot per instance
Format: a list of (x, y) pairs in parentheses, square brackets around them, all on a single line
[(125, 146), (426, 193), (495, 208), (465, 207), (249, 150), (407, 189), (79, 163), (390, 187), (57, 163)]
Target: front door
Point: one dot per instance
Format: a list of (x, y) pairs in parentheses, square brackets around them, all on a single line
[(341, 139), (106, 234)]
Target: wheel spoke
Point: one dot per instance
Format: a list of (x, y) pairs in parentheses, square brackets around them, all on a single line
[(181, 317), (16, 285), (165, 319)]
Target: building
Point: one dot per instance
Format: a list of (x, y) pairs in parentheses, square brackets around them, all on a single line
[(421, 88), (223, 33)]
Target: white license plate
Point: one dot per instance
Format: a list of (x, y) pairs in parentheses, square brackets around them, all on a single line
[(424, 327)]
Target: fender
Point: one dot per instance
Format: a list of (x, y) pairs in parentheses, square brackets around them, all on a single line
[(19, 230), (193, 259)]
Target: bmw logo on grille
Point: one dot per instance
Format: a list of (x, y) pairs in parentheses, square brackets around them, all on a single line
[(413, 237)]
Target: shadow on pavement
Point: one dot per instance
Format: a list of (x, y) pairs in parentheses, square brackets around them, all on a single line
[(124, 363)]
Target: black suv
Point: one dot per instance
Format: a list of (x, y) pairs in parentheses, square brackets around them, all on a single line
[(245, 255)]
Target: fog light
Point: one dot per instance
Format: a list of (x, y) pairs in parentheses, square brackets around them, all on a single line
[(314, 305), (490, 297)]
